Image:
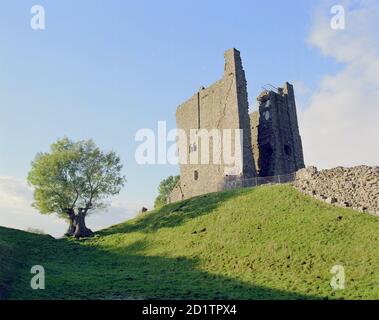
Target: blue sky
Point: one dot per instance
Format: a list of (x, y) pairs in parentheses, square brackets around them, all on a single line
[(104, 69)]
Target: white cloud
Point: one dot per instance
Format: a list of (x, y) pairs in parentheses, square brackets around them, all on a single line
[(16, 211), (339, 124), (14, 192)]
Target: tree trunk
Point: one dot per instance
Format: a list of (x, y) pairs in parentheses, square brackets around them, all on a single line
[(72, 223), (71, 229), (81, 231)]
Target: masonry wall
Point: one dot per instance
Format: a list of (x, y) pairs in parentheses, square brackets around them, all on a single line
[(298, 155), (356, 188), (276, 140), (223, 105)]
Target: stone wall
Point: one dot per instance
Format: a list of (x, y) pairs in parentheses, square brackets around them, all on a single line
[(276, 140), (222, 105), (356, 188), (176, 194)]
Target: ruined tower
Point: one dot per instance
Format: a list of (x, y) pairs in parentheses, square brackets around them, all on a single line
[(276, 141), (223, 105), (269, 145)]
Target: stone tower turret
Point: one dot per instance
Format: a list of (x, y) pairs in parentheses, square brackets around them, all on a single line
[(276, 140)]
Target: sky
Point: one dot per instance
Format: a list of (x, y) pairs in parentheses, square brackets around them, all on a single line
[(106, 69)]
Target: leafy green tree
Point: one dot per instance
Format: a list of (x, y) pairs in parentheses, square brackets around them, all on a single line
[(164, 190), (73, 180)]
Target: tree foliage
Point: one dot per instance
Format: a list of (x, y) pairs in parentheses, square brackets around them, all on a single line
[(73, 180), (164, 190)]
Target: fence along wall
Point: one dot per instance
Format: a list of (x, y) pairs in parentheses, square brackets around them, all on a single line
[(356, 187), (256, 181)]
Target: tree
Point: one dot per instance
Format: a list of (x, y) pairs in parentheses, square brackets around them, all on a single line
[(73, 180), (164, 190)]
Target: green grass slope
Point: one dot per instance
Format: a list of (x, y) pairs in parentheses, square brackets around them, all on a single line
[(269, 242)]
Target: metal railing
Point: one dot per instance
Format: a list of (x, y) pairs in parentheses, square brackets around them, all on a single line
[(238, 183)]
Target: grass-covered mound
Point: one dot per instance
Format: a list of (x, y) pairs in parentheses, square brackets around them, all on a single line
[(269, 242)]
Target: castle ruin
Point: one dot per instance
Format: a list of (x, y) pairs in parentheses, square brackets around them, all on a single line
[(270, 143)]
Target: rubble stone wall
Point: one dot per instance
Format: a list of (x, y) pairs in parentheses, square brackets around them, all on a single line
[(356, 187)]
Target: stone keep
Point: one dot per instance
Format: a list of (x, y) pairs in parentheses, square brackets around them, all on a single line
[(270, 142)]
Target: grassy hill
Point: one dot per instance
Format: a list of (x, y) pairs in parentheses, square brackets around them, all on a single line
[(269, 242)]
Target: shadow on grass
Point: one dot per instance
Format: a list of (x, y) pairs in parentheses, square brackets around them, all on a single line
[(85, 270), (78, 271), (175, 214), (15, 248)]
